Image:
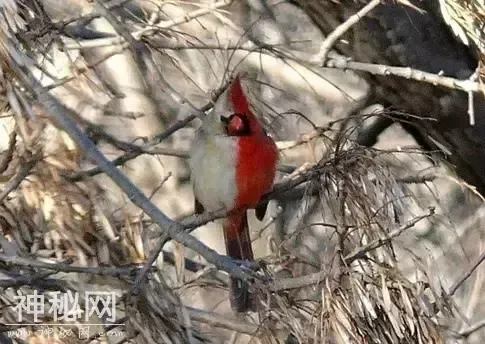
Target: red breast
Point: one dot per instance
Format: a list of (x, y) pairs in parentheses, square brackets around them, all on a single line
[(257, 154)]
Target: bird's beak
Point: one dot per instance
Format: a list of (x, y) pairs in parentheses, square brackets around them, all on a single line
[(214, 124)]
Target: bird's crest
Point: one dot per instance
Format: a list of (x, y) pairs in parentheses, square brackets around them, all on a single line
[(240, 103), (237, 96)]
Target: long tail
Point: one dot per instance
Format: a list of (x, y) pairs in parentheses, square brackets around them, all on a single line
[(238, 246)]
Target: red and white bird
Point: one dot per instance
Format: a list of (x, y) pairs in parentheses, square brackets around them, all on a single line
[(233, 164)]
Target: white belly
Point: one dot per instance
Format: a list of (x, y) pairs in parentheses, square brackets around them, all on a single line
[(213, 171)]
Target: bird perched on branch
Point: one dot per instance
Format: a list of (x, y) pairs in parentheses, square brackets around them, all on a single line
[(233, 164)]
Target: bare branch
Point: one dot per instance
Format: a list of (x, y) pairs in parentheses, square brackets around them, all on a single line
[(65, 267), (472, 329), (361, 251), (86, 18), (8, 154), (184, 19), (332, 38), (19, 177), (98, 133), (466, 274), (311, 279), (137, 35), (77, 176), (341, 62), (222, 321), (298, 282)]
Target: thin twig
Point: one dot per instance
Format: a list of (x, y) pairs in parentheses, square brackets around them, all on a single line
[(471, 108), (86, 18), (341, 62), (298, 282), (334, 61), (466, 275), (471, 102), (7, 155), (183, 19), (417, 179), (18, 280), (138, 35), (340, 30), (313, 278), (77, 176), (98, 133), (361, 251), (133, 45), (82, 70), (18, 178), (222, 321), (472, 329), (113, 271), (63, 267)]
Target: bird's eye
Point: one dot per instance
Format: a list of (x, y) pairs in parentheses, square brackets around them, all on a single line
[(238, 125), (225, 120)]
